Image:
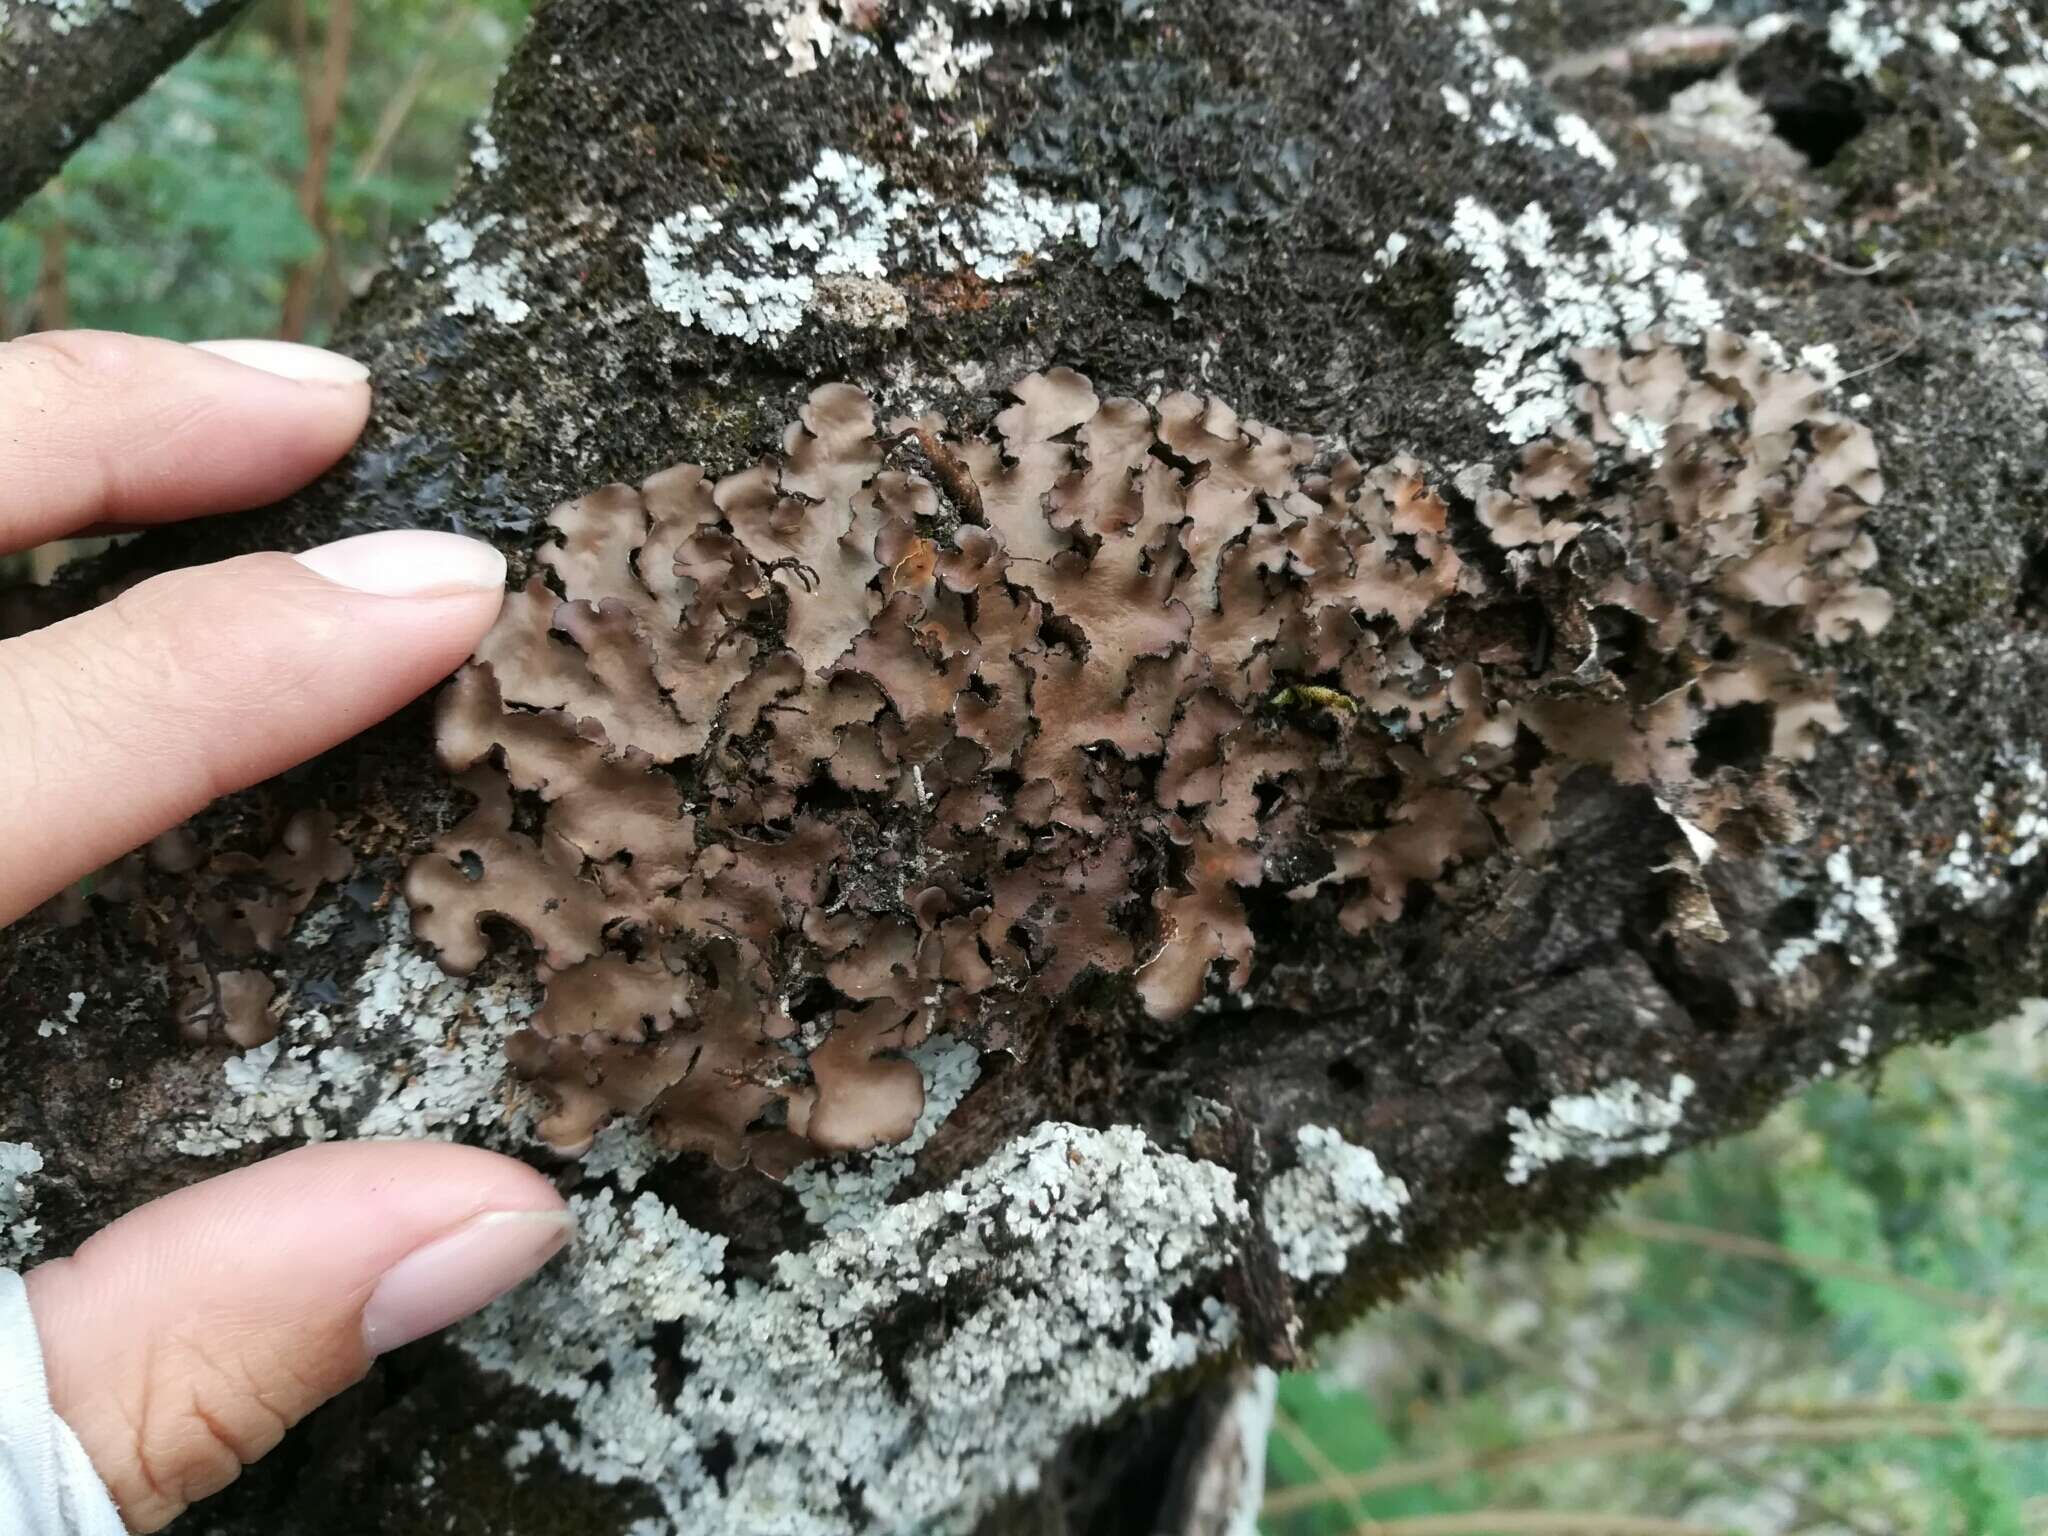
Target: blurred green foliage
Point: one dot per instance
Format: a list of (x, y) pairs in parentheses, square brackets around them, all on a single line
[(1837, 1324), (181, 217)]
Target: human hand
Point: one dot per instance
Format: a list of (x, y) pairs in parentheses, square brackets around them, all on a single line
[(183, 1340)]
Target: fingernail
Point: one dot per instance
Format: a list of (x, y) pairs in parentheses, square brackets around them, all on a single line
[(290, 360), (409, 562), (455, 1275)]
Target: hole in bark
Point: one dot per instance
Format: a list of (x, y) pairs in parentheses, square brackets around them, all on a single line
[(1735, 736), (1349, 1075), (815, 998), (2032, 604), (1818, 123), (1624, 636), (1521, 1058), (720, 1457), (1811, 107), (1653, 89), (1792, 919)]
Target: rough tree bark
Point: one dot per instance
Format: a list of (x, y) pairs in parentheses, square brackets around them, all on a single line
[(1288, 209)]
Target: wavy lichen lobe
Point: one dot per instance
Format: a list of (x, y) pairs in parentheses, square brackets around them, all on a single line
[(911, 726)]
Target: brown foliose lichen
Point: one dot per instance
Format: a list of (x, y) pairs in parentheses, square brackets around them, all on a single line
[(911, 727), (227, 909)]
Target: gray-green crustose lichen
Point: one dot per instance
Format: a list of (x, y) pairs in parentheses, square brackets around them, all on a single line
[(20, 1233), (1069, 1267), (912, 726)]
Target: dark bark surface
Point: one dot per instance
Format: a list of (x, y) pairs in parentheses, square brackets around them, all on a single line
[(1251, 160), (68, 67)]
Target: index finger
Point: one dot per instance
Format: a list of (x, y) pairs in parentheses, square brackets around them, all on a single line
[(102, 428)]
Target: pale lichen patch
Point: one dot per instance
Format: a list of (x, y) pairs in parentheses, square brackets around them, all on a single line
[(1058, 1263), (477, 287), (1719, 112), (421, 1054), (1498, 98), (1336, 1196), (2009, 832), (1383, 259), (845, 1194), (930, 52), (20, 1235), (1533, 296), (1622, 1120), (1579, 136), (69, 15), (624, 1152), (484, 154), (1855, 1048), (60, 1024), (1989, 41), (806, 33), (833, 240), (803, 35), (1855, 919)]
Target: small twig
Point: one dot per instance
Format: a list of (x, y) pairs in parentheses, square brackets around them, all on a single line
[(1878, 263), (954, 477), (402, 101), (1529, 1360), (1742, 1245), (1328, 1473), (2031, 114), (1919, 334), (1815, 1424), (1537, 1522)]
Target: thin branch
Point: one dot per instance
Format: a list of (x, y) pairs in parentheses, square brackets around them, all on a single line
[(1886, 361), (1537, 1522), (50, 304), (2029, 113), (1816, 1508), (1883, 261), (320, 105), (1806, 1424), (1742, 1246), (392, 120), (1327, 1471), (61, 85)]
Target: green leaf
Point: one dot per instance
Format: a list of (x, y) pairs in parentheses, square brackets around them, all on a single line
[(1827, 1216)]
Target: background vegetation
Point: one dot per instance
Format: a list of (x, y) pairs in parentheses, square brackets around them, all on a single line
[(1832, 1327), (256, 186)]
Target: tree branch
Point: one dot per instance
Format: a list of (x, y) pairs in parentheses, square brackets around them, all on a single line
[(690, 221), (67, 77), (1849, 1423)]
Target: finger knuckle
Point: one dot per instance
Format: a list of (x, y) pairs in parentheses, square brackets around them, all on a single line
[(63, 367), (58, 380), (22, 705), (203, 1417), (45, 680)]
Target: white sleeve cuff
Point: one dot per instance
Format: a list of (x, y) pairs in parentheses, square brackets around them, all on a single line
[(47, 1484)]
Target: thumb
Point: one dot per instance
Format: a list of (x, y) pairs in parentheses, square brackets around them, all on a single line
[(184, 1340)]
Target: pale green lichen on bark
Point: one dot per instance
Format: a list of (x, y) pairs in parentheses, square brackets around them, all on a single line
[(1068, 1267), (20, 1234)]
